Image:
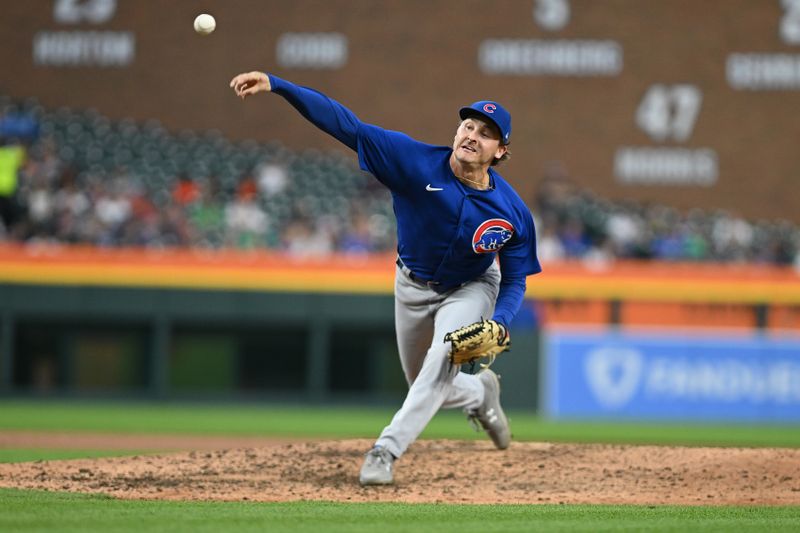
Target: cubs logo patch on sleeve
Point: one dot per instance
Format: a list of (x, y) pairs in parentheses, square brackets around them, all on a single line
[(491, 235)]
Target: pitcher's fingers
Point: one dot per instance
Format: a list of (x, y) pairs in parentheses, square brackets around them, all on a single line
[(239, 80), (245, 87)]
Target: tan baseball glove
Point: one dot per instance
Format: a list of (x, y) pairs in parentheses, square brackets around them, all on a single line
[(486, 338)]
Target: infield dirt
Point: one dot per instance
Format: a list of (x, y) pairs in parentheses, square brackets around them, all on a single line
[(431, 471)]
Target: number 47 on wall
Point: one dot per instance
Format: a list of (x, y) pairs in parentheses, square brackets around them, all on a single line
[(668, 112)]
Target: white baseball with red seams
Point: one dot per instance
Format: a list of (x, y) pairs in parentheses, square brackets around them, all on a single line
[(204, 24)]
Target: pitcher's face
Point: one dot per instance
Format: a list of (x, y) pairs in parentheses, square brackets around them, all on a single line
[(477, 142)]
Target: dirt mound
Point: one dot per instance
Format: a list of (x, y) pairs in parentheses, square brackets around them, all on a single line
[(436, 471)]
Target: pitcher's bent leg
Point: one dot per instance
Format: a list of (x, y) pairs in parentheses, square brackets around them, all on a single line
[(425, 397), (437, 383), (466, 305)]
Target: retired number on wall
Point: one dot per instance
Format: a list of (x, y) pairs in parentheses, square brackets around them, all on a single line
[(667, 113)]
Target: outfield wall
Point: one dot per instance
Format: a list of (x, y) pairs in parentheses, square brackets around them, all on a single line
[(221, 324), (738, 376), (233, 344)]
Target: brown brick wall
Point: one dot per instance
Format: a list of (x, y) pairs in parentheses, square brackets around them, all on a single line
[(412, 63)]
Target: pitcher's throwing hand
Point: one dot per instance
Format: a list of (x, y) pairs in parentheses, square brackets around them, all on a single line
[(250, 83)]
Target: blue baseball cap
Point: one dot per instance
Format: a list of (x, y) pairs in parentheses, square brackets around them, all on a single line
[(493, 112)]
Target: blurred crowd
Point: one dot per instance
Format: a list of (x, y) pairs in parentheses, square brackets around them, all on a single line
[(56, 203), (69, 177), (574, 223), (56, 191)]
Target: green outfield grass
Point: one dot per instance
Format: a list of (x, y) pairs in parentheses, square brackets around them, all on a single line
[(25, 511), (343, 422), (14, 455)]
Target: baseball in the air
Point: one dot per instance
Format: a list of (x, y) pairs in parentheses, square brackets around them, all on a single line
[(204, 24)]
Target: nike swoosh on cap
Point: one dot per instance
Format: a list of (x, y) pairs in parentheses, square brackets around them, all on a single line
[(429, 188)]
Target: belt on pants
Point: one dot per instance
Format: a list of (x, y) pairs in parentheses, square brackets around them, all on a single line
[(435, 286)]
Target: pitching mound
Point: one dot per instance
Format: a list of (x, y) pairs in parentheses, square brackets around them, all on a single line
[(436, 471)]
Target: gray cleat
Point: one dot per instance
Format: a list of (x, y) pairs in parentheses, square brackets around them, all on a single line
[(490, 414), (377, 468)]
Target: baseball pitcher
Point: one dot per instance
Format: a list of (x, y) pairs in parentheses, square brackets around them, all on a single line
[(455, 216)]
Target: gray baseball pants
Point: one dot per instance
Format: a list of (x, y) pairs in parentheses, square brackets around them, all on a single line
[(422, 318)]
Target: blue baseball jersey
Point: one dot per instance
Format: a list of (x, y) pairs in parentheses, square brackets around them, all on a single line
[(447, 233)]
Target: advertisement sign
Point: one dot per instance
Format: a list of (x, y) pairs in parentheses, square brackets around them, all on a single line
[(678, 376)]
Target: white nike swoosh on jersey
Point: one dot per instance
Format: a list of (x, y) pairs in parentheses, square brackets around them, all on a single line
[(429, 188)]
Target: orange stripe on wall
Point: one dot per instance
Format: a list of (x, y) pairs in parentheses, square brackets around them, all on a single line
[(260, 270), (182, 269)]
